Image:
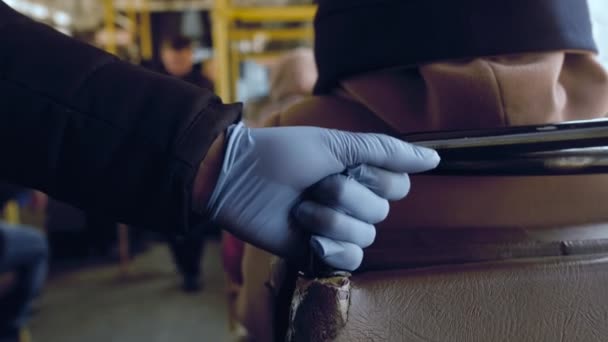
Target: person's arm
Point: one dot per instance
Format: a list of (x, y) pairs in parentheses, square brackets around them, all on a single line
[(99, 133), (110, 137)]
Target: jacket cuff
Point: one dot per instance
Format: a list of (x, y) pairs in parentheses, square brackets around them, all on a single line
[(191, 150)]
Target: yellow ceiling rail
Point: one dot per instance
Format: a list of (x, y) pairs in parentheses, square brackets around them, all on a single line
[(225, 32), (278, 13), (261, 56), (305, 33), (167, 5)]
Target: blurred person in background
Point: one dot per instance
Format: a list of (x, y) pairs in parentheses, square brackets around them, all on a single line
[(292, 79), (177, 60), (24, 256)]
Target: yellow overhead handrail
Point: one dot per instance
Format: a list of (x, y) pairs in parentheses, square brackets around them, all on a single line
[(278, 13), (305, 33), (226, 32), (143, 31)]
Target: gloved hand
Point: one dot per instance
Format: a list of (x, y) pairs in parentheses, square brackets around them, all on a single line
[(280, 186)]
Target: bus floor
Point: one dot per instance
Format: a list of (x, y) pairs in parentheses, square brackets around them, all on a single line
[(100, 305)]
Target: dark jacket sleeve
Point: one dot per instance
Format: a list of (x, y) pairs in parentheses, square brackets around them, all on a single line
[(99, 133)]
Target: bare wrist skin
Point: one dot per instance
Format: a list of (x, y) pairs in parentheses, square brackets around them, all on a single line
[(208, 174)]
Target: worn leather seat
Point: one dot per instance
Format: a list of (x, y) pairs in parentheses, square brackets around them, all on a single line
[(537, 299), (535, 289)]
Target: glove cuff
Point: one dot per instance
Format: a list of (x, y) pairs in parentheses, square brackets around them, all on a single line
[(236, 142)]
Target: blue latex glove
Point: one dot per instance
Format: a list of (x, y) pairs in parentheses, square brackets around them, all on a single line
[(285, 187)]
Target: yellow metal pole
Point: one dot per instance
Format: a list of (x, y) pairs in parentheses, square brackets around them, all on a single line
[(123, 249), (235, 63), (146, 31), (221, 46), (110, 29), (11, 212), (132, 15), (25, 336)]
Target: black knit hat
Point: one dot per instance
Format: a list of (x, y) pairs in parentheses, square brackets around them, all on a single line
[(357, 36)]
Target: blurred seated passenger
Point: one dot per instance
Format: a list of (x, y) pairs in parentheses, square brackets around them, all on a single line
[(292, 78), (24, 253), (493, 73)]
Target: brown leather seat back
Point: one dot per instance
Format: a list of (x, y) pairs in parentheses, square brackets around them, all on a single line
[(548, 299)]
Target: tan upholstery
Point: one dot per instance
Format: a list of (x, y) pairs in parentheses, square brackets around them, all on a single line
[(536, 300), (255, 302), (480, 93)]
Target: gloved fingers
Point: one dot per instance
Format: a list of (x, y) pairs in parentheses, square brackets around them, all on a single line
[(347, 195), (324, 221), (337, 254), (381, 151), (386, 184)]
